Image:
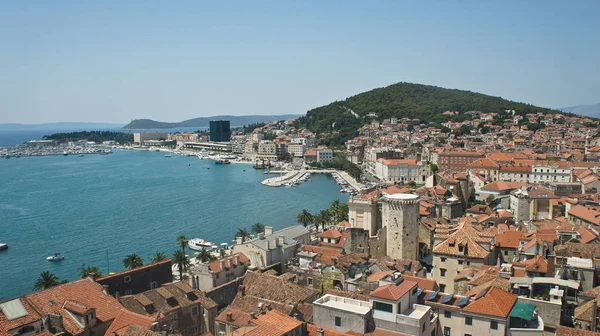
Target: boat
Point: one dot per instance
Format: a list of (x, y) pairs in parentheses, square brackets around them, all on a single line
[(199, 244), (222, 161), (57, 256), (201, 155), (168, 155), (80, 155), (3, 247), (65, 153)]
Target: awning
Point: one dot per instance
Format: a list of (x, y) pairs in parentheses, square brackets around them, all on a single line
[(523, 311)]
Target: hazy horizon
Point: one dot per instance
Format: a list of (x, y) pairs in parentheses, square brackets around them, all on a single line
[(70, 61)]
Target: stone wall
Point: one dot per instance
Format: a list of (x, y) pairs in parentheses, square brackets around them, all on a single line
[(223, 295), (359, 241)]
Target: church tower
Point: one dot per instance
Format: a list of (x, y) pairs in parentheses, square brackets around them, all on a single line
[(400, 214)]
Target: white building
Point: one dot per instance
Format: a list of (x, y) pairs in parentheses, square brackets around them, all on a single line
[(401, 170)]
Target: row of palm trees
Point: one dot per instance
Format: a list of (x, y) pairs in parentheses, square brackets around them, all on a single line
[(336, 213), (245, 234)]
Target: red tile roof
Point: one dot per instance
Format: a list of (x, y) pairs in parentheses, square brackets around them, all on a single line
[(394, 292), (229, 261), (331, 233), (6, 325), (124, 319), (495, 302)]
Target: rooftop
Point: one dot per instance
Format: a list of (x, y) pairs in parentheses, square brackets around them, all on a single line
[(345, 304)]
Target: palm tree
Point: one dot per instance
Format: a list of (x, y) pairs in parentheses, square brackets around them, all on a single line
[(318, 220), (242, 233), (46, 280), (305, 217), (159, 256), (89, 270), (258, 228), (181, 241), (204, 255), (326, 215), (133, 261), (182, 261)]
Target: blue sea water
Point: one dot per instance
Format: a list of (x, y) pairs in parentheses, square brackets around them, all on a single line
[(99, 208)]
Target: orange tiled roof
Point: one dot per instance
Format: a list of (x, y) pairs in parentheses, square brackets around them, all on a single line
[(495, 302), (331, 233), (394, 292), (229, 261), (124, 319), (6, 325), (422, 282), (134, 270), (586, 214)]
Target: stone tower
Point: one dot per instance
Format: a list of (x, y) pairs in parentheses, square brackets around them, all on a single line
[(400, 214)]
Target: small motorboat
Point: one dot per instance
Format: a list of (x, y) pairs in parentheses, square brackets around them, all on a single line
[(3, 247), (168, 155), (80, 155), (199, 244), (56, 257)]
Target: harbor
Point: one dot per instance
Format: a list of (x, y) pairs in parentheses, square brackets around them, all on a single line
[(51, 148), (295, 177)]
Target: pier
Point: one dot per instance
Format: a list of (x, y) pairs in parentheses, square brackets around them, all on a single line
[(292, 175)]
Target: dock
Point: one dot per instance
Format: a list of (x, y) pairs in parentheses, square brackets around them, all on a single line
[(290, 175)]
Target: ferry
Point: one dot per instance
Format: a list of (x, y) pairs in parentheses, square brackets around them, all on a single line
[(198, 244)]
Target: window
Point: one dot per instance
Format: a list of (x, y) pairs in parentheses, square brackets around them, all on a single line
[(423, 328), (443, 272), (460, 262), (443, 259), (494, 325), (153, 285), (386, 307), (414, 291), (467, 334), (447, 331), (468, 320), (195, 311), (128, 292), (338, 321), (505, 252), (127, 279), (442, 288), (447, 314), (310, 281)]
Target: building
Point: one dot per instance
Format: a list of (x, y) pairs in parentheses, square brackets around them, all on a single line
[(324, 154), (400, 214), (220, 131), (271, 323), (343, 314), (401, 170), (176, 307), (139, 279), (76, 308), (271, 248), (147, 138), (205, 276), (457, 161)]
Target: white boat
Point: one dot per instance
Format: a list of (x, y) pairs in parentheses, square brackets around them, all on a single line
[(201, 155), (198, 244), (3, 247), (168, 155), (57, 256)]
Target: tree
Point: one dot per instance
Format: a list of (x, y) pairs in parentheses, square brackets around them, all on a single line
[(434, 168), (242, 233), (258, 228), (318, 220), (159, 256), (182, 261), (412, 184), (182, 241), (133, 261), (204, 255), (326, 216), (305, 217), (46, 280), (89, 270)]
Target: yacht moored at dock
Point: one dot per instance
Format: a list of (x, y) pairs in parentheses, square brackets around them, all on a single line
[(198, 244)]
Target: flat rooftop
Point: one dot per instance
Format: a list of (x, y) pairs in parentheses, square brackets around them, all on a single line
[(345, 304)]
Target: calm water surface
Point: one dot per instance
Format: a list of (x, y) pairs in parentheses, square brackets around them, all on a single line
[(99, 208)]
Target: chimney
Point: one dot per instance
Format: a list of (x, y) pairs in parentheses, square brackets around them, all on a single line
[(105, 289), (229, 316), (268, 230), (296, 316), (280, 241), (243, 290), (237, 259), (594, 316), (230, 262), (253, 315), (222, 261), (238, 240), (320, 332)]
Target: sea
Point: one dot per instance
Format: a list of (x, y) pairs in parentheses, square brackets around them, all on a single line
[(98, 209)]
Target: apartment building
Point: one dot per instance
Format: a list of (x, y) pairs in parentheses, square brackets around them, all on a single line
[(401, 170), (205, 276), (457, 160)]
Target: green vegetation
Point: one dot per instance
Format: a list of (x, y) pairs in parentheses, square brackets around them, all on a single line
[(243, 233), (46, 280), (159, 256), (337, 212), (403, 100), (258, 228), (95, 136), (182, 261), (341, 163), (133, 261), (89, 270), (204, 255), (305, 217)]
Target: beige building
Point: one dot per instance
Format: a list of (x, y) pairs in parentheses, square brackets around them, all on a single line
[(205, 276), (402, 170)]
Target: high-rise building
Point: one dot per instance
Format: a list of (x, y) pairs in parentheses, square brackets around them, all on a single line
[(220, 131)]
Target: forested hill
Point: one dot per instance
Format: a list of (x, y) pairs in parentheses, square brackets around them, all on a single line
[(406, 100), (204, 121)]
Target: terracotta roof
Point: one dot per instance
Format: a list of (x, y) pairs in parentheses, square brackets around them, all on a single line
[(331, 233), (351, 295), (495, 302), (424, 283), (394, 292), (496, 282), (566, 331), (85, 292), (270, 323), (584, 311), (325, 254), (126, 318), (6, 325), (503, 186), (238, 318), (467, 237), (344, 223), (508, 239), (229, 261), (586, 214), (275, 289), (376, 276)]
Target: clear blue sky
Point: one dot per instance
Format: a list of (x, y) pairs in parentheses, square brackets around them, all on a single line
[(112, 61)]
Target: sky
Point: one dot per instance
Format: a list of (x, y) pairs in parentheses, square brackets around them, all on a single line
[(113, 61)]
